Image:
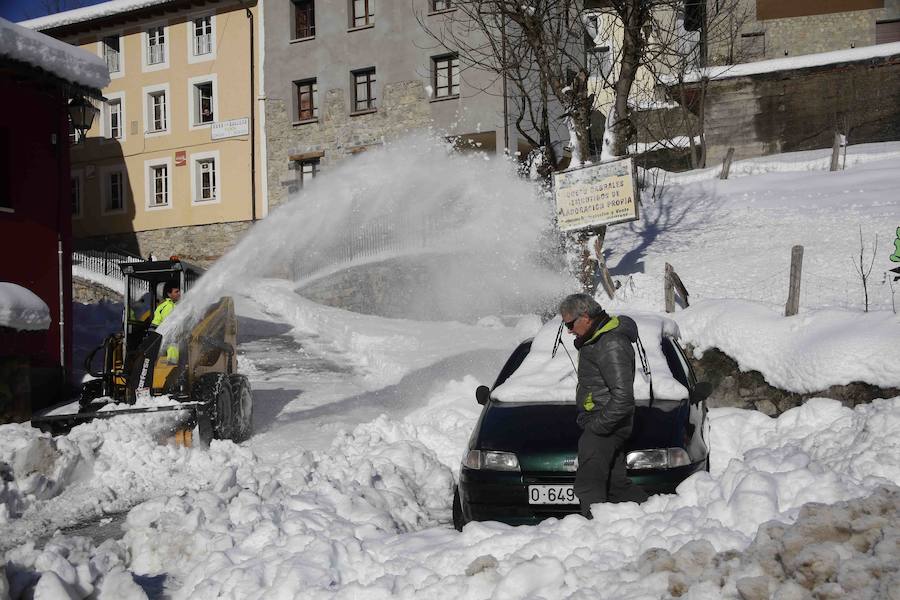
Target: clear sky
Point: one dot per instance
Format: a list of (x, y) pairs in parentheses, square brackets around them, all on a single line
[(20, 10)]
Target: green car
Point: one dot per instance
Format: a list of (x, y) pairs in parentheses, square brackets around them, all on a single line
[(519, 466)]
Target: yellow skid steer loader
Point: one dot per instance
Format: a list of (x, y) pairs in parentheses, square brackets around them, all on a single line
[(201, 375)]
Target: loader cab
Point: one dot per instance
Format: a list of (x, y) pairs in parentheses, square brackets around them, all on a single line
[(144, 282)]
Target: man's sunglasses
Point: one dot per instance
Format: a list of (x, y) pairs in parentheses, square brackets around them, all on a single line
[(571, 324)]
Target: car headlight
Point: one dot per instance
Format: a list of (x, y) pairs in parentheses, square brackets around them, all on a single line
[(490, 460), (657, 458)]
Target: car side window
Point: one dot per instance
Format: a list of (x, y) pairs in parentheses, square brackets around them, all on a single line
[(677, 364), (513, 362)]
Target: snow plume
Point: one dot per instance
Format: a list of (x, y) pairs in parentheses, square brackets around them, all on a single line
[(475, 226)]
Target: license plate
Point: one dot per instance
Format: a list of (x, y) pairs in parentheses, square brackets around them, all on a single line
[(551, 494)]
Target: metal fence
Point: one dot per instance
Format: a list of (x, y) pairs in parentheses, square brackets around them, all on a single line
[(105, 263)]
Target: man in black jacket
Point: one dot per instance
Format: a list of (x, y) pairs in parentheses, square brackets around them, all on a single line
[(605, 399)]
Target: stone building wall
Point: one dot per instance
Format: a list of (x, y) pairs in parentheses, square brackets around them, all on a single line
[(794, 36), (337, 134), (88, 292), (787, 111), (199, 244)]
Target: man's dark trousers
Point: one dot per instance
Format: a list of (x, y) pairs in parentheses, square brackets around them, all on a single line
[(601, 471)]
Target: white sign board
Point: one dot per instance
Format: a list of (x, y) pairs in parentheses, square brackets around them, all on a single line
[(233, 128), (596, 195)]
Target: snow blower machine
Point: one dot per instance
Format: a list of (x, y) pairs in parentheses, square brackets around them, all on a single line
[(198, 372)]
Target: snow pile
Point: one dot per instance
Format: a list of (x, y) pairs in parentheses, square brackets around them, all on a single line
[(383, 350), (63, 60), (803, 61), (89, 13), (847, 550), (22, 309), (828, 347), (324, 525), (104, 466)]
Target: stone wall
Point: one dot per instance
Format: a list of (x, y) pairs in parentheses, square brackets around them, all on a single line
[(749, 390), (337, 134), (797, 35), (787, 111), (199, 244), (88, 292)]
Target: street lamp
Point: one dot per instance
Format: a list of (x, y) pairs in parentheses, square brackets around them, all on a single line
[(81, 113)]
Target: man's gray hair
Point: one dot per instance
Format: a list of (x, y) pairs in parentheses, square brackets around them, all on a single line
[(574, 305)]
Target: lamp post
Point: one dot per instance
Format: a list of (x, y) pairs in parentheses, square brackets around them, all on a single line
[(81, 113)]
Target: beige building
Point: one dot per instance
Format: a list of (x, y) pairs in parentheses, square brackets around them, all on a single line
[(168, 166)]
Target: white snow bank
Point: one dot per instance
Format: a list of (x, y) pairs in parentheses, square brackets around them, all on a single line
[(808, 352), (322, 525), (382, 349), (790, 162), (543, 377), (22, 309), (103, 466), (791, 63), (89, 13), (63, 60)]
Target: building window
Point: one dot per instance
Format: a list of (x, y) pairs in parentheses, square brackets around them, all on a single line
[(115, 192), (364, 90), (307, 171), (445, 78), (203, 103), (363, 12), (159, 185), (304, 18), (306, 100), (438, 5), (156, 111), (753, 46), (887, 32), (113, 121), (156, 45), (76, 195), (202, 39), (112, 53), (206, 180)]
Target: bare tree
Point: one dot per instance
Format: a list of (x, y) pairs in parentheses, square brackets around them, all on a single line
[(544, 49), (862, 270)]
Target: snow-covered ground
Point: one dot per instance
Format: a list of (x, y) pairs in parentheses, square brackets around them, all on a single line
[(360, 421)]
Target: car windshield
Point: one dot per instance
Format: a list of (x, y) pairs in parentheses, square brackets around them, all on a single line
[(544, 378)]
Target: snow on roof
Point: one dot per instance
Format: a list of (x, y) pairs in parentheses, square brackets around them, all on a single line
[(21, 309), (44, 52), (89, 13), (792, 63), (543, 377)]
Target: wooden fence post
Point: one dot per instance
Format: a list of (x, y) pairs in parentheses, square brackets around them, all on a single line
[(793, 301), (673, 281), (726, 166), (836, 151)]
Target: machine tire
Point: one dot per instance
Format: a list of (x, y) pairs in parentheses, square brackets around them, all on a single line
[(242, 397), (214, 390), (459, 519)]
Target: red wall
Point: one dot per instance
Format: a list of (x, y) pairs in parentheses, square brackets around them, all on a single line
[(38, 183)]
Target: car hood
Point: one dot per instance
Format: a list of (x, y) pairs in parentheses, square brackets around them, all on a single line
[(550, 428)]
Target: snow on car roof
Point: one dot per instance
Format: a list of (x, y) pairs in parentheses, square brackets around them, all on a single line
[(544, 378)]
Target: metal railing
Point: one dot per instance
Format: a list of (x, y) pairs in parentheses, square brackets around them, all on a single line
[(104, 262)]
